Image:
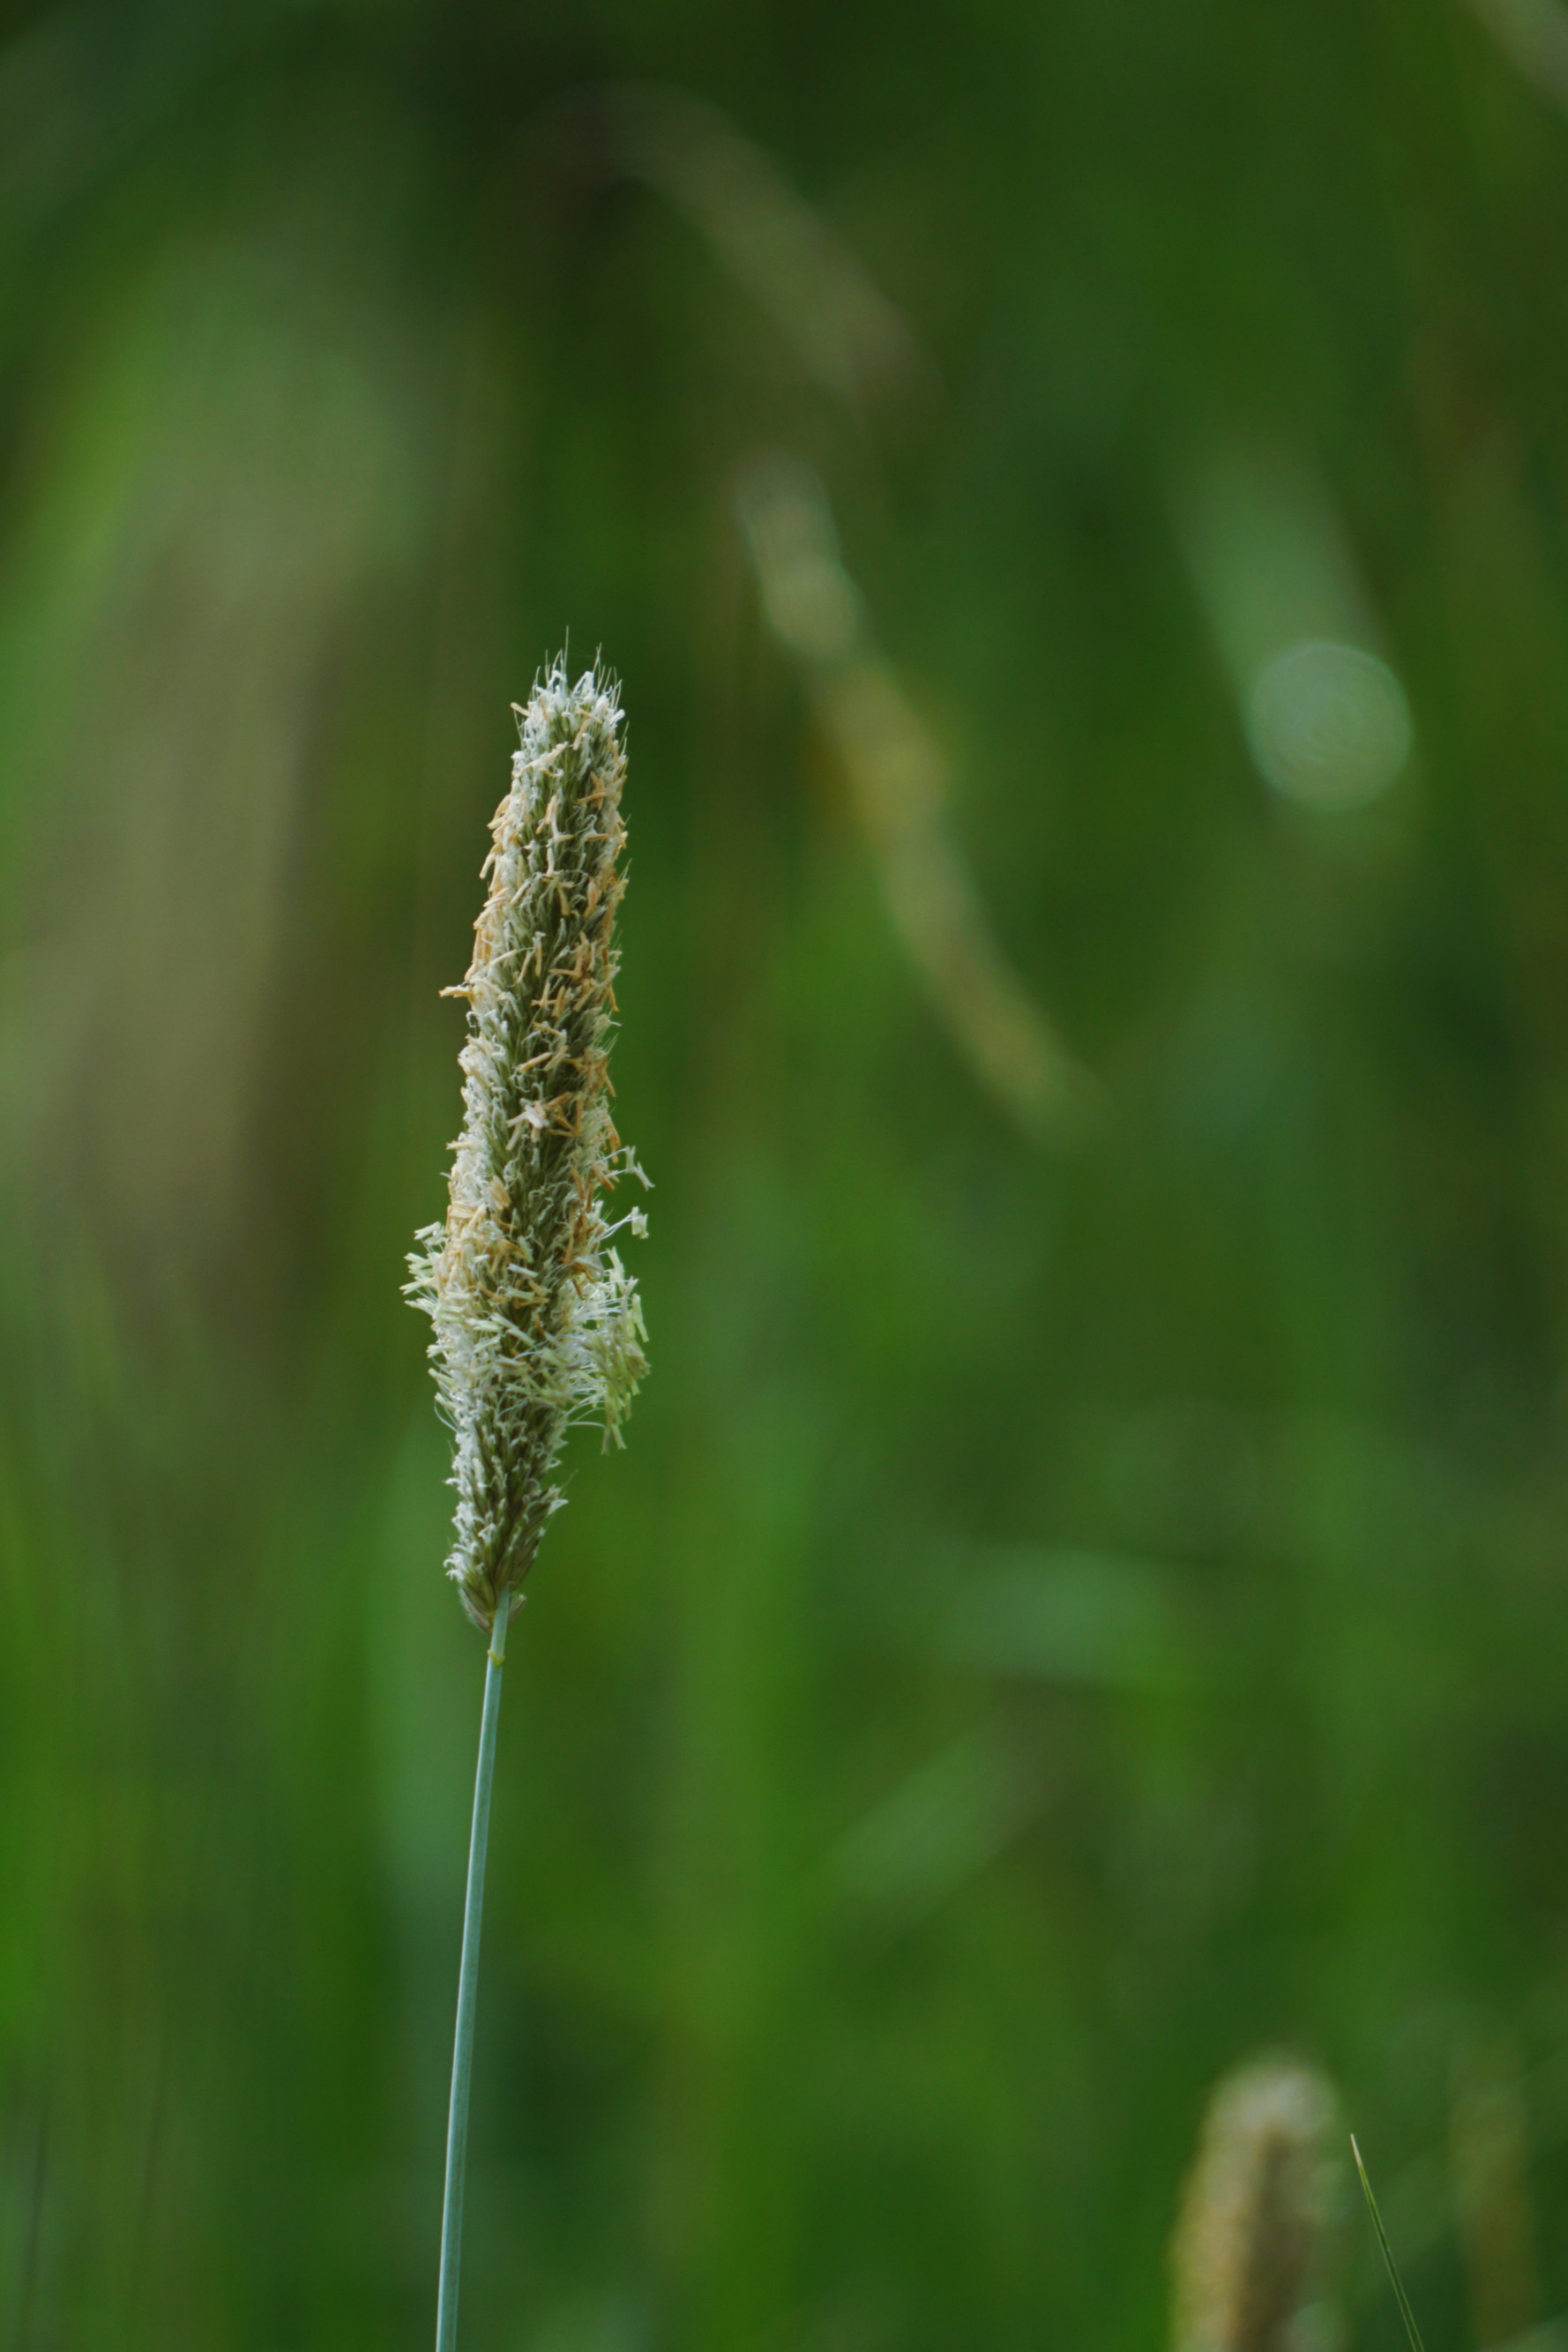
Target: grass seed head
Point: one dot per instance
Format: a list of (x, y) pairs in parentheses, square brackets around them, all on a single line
[(1249, 2244), (537, 1323)]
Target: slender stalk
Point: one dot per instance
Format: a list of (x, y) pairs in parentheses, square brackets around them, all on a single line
[(467, 1984), (1401, 2298)]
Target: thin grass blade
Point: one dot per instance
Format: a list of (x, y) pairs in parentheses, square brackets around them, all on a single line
[(1400, 2296)]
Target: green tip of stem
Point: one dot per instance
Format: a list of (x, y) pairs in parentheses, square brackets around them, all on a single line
[(1401, 2298)]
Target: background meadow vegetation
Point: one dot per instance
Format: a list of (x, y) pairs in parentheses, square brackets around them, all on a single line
[(1085, 1597)]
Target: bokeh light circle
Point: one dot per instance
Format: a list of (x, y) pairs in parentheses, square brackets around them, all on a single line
[(1328, 724)]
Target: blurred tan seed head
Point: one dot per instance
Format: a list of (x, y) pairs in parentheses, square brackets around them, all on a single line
[(1255, 2211)]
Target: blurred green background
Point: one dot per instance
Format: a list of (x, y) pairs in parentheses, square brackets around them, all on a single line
[(1084, 1599)]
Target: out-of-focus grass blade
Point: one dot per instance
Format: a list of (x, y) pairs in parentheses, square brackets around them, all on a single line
[(1401, 2298)]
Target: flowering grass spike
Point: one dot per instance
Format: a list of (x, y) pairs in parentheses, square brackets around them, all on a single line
[(537, 1323), (537, 1326)]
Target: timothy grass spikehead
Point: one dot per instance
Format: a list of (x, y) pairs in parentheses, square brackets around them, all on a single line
[(537, 1323)]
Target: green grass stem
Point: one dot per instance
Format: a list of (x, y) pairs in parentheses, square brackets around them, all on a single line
[(1400, 2296), (467, 1984)]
